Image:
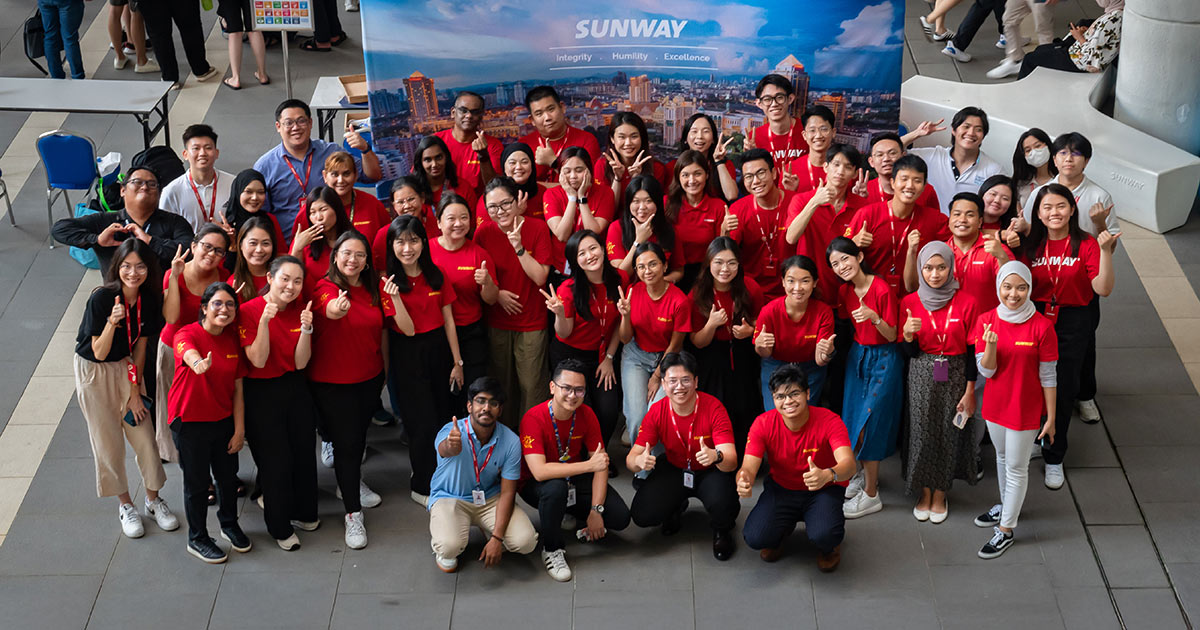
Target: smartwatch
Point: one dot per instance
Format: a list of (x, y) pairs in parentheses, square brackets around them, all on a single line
[(599, 509)]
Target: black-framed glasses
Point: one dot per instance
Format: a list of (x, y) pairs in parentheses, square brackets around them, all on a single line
[(217, 304), (578, 392), (212, 249), (777, 99), (484, 401), (503, 205), (148, 184), (302, 121), (795, 394)]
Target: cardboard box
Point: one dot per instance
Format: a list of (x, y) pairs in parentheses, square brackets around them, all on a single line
[(354, 117), (356, 87)]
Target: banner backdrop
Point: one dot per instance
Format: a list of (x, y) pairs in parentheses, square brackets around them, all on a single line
[(662, 60)]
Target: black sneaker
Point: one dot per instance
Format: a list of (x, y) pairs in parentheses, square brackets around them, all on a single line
[(989, 518), (999, 543), (978, 469), (722, 545), (237, 538), (207, 550)]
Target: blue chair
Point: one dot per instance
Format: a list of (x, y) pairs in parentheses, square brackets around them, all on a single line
[(7, 200), (70, 161)]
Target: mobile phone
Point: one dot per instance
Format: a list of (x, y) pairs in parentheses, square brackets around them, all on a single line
[(129, 419), (960, 419)]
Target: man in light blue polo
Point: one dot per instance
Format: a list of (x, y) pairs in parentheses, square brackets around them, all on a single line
[(479, 465)]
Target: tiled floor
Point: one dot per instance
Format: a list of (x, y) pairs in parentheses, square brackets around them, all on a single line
[(1087, 556)]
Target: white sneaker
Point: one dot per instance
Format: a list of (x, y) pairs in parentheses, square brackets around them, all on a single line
[(960, 55), (131, 521), (1002, 42), (1088, 411), (327, 454), (556, 565), (212, 72), (366, 496), (144, 68), (1054, 476), (261, 504), (856, 484), (291, 543), (861, 505), (356, 531), (307, 526), (1007, 68), (162, 515), (447, 565), (927, 29), (945, 36), (418, 498), (351, 6), (120, 62)]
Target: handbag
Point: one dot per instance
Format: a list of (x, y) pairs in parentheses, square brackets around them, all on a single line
[(35, 39)]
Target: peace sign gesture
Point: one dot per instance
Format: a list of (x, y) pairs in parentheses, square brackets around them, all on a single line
[(554, 304), (929, 127), (615, 163), (860, 185), (178, 261), (721, 148), (622, 302), (635, 169)]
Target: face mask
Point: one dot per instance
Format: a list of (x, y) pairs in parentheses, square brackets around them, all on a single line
[(1037, 157)]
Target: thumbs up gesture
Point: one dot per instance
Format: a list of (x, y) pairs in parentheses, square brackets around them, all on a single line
[(912, 326), (306, 316), (764, 340), (482, 278), (729, 223), (454, 440), (991, 245), (717, 317), (201, 366), (825, 194), (864, 238), (1108, 241), (645, 461), (599, 459), (815, 478), (743, 330), (745, 484), (825, 348), (543, 155), (705, 456), (269, 312), (118, 312)]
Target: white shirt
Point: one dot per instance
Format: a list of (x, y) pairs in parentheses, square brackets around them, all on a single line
[(179, 198), (941, 173), (1087, 194)]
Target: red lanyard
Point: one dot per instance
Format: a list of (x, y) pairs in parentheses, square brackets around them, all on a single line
[(787, 148), (941, 339), (812, 178), (691, 427), (564, 450), (133, 371), (307, 172), (1054, 276), (762, 228), (899, 243), (212, 206), (475, 458), (603, 305)]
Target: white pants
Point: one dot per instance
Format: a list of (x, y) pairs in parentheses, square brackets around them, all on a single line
[(1015, 12), (1012, 469)]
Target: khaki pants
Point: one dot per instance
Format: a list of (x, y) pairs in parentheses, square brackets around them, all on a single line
[(103, 391), (450, 522), (1015, 11), (164, 368), (518, 359)]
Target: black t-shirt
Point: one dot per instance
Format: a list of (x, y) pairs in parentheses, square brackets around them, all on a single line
[(95, 316)]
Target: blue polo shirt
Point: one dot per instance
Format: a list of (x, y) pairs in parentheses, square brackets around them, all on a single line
[(455, 476), (283, 188)]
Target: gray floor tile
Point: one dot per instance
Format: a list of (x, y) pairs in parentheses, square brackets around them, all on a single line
[(71, 440), (401, 611), (1186, 578), (1127, 556), (666, 609), (298, 600), (1152, 420), (1148, 608), (1174, 528), (1104, 496), (397, 563), (521, 605), (155, 575), (938, 68), (1090, 447), (1130, 325), (52, 545), (1069, 559), (967, 597), (1155, 475), (58, 601), (1141, 371), (1086, 608), (65, 487), (903, 605)]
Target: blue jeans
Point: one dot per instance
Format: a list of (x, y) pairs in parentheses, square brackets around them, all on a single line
[(816, 381), (636, 367), (61, 20)]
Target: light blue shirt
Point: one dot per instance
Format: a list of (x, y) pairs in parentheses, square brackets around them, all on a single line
[(283, 189), (455, 476)]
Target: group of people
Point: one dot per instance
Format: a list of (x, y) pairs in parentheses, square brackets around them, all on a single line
[(522, 303)]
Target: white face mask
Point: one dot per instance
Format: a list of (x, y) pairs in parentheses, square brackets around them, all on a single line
[(1037, 157)]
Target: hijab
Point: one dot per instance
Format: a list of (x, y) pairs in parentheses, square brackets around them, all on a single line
[(934, 299), (235, 214), (1022, 314), (530, 187), (1111, 5)]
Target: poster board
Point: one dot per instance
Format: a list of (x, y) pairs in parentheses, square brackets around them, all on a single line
[(282, 15)]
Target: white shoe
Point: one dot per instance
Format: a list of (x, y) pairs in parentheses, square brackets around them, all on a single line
[(447, 565), (261, 504), (351, 6), (366, 496), (1088, 411), (356, 531), (856, 484), (960, 55), (307, 526), (920, 515), (1001, 43), (1007, 68), (131, 521), (556, 565), (927, 29), (418, 498), (861, 505), (943, 37), (167, 521), (145, 68), (1054, 476), (569, 523), (939, 517), (212, 72), (327, 454), (291, 543), (120, 62)]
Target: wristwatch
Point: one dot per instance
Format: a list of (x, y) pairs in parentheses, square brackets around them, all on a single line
[(720, 457), (583, 201), (599, 509), (520, 252), (459, 363)]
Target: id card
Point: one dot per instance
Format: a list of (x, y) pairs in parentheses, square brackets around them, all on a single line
[(941, 370), (570, 495), (478, 497), (960, 420), (689, 479), (1051, 312)]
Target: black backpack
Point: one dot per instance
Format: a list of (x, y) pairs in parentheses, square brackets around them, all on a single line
[(163, 161)]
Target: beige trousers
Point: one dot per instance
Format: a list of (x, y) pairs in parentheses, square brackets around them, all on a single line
[(164, 368), (450, 522), (518, 360), (103, 390), (1015, 11)]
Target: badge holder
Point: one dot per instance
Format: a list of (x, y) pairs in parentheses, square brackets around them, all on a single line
[(1051, 311), (571, 495), (478, 497), (689, 479), (941, 370), (960, 420)]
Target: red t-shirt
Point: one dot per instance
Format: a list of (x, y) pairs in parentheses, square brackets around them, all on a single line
[(888, 252), (284, 333), (600, 201), (655, 321), (595, 333), (367, 214), (614, 246), (761, 234), (788, 451), (535, 237), (1013, 398), (347, 350), (657, 170), (259, 283), (379, 239), (1057, 274), (809, 177), (315, 268), (575, 436), (697, 226), (795, 342), (682, 435), (424, 304), (573, 138), (459, 268), (927, 198), (463, 190), (189, 308), (879, 298), (821, 229), (784, 148), (976, 272), (943, 332), (205, 397), (466, 160), (724, 300), (534, 207)]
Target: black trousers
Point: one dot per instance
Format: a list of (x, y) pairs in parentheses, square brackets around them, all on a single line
[(729, 370), (550, 499), (344, 413), (778, 510), (1074, 328), (835, 377), (976, 15), (203, 448), (473, 346), (1087, 381), (605, 402), (662, 493), (1055, 56), (159, 14), (326, 24), (419, 373), (279, 429)]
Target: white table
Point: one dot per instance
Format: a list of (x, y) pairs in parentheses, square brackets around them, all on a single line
[(326, 102), (141, 99)]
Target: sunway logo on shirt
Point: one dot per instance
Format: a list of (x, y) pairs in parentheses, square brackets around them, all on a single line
[(527, 441), (241, 332), (607, 28), (1057, 261), (358, 223), (664, 319), (1025, 343), (465, 268), (810, 336), (179, 347), (231, 356), (294, 330)]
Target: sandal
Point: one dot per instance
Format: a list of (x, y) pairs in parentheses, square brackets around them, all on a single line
[(310, 44), (262, 81), (339, 39), (212, 495), (226, 83)]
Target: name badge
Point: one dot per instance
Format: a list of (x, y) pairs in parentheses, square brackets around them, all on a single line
[(570, 495), (689, 479), (1051, 312), (941, 370), (478, 497)]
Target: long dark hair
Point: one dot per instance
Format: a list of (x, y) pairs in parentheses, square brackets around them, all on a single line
[(583, 292), (419, 168), (368, 277), (675, 194), (846, 246), (341, 223), (1001, 180), (1023, 171), (659, 223), (241, 268), (408, 224), (148, 291), (235, 214), (1039, 234), (687, 128), (632, 119), (703, 293)]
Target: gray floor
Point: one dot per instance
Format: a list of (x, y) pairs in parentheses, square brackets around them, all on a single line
[(1118, 544)]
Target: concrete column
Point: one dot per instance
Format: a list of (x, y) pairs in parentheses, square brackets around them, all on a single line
[(1158, 83)]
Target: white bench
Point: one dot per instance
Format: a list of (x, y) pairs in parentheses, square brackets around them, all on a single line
[(1153, 183)]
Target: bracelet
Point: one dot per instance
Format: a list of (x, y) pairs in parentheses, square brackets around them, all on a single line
[(583, 201), (306, 330), (497, 537), (571, 198), (608, 356), (835, 479), (195, 363), (722, 160)]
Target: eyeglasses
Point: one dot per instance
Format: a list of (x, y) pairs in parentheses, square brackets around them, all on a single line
[(1069, 153), (821, 129), (778, 99), (148, 184), (503, 205), (577, 392), (217, 305), (764, 174), (483, 401), (346, 254), (464, 111), (683, 381), (212, 249), (794, 395), (138, 268), (725, 264), (288, 123)]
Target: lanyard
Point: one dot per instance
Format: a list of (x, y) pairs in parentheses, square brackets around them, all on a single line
[(787, 148), (812, 177), (899, 243), (564, 450), (129, 334), (475, 457), (691, 427), (1057, 272), (212, 205), (308, 160), (602, 304), (762, 228), (353, 198), (941, 339)]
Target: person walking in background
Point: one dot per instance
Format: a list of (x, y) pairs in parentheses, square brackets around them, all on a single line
[(186, 16), (61, 20), (1015, 12), (124, 19), (236, 15)]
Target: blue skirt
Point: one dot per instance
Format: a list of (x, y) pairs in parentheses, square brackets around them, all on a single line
[(874, 399)]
